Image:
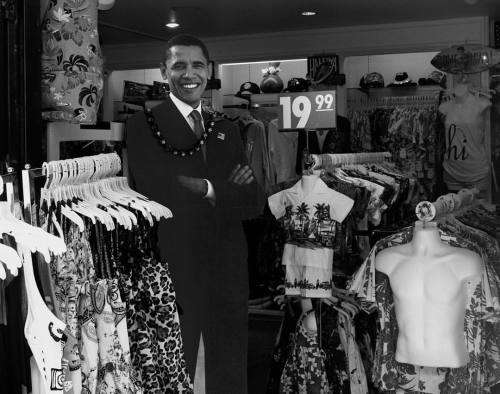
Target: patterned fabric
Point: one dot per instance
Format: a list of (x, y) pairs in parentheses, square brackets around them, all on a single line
[(335, 352), (72, 83), (482, 370), (154, 330), (152, 316), (311, 230), (309, 219), (304, 371), (106, 326), (70, 270)]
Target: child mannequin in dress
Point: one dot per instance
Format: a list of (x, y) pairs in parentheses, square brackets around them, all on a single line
[(429, 282)]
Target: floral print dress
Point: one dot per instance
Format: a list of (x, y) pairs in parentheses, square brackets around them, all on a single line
[(304, 371), (72, 82)]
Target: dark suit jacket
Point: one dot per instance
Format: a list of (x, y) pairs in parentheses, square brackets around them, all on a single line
[(203, 245)]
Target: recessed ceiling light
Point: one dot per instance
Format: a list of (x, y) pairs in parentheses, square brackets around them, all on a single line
[(172, 19), (308, 13)]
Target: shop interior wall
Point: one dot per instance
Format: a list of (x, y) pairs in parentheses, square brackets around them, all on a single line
[(233, 75), (417, 65), (414, 37)]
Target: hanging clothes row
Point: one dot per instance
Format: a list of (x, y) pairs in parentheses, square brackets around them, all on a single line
[(462, 228), (332, 359), (405, 126), (25, 320), (110, 293)]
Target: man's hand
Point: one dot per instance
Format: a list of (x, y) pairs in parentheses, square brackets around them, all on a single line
[(241, 175), (197, 186)]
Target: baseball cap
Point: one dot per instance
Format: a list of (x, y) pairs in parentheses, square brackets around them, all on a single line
[(297, 85), (248, 88), (372, 80), (434, 78)]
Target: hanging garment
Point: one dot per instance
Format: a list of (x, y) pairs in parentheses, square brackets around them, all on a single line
[(465, 158), (72, 83), (254, 139), (310, 221), (304, 371), (154, 330), (44, 333), (104, 334), (481, 371), (152, 316), (283, 148)]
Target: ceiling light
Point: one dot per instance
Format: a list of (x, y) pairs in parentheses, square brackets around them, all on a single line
[(172, 19), (308, 13)]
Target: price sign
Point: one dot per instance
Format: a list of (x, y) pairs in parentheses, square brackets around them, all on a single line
[(307, 110)]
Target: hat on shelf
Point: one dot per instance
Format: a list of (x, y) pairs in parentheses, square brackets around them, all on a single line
[(297, 85), (372, 80), (434, 78), (402, 79), (247, 89)]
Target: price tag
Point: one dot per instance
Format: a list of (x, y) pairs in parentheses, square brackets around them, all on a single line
[(307, 110)]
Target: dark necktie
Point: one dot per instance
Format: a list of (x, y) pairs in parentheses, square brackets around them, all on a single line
[(198, 127), (197, 122)]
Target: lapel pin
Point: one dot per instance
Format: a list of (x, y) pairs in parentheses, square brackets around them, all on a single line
[(221, 136)]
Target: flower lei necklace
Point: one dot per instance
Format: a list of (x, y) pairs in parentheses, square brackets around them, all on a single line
[(168, 147)]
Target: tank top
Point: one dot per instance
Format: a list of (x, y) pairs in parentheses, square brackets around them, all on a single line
[(44, 332), (465, 156)]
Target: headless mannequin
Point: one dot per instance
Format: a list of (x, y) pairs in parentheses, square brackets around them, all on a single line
[(428, 279)]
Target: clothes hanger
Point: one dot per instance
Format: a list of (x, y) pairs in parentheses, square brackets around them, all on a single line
[(8, 255), (32, 237)]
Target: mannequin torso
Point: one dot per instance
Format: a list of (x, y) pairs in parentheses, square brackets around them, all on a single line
[(428, 279)]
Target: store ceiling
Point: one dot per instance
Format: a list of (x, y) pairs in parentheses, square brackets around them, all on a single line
[(131, 21)]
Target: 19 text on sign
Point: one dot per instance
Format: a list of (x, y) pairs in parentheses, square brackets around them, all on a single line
[(307, 111)]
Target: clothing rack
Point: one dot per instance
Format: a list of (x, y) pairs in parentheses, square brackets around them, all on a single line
[(427, 211), (392, 101), (393, 97), (325, 161)]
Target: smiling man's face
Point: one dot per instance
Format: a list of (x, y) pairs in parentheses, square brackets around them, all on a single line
[(186, 70)]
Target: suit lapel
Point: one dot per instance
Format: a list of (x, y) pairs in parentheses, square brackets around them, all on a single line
[(173, 126)]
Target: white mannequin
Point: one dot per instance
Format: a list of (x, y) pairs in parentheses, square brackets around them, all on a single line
[(428, 278)]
